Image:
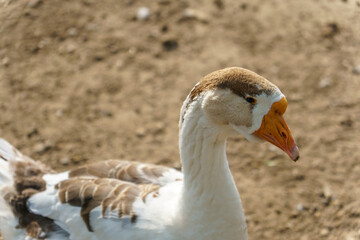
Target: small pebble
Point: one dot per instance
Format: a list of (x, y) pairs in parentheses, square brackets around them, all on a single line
[(330, 30), (34, 3), (32, 133), (219, 4), (44, 43), (39, 147), (77, 159), (59, 112), (317, 214), (347, 122), (65, 160), (92, 26), (129, 2), (119, 64), (105, 113), (300, 207), (88, 2), (99, 58), (5, 61), (70, 48), (271, 163), (325, 82), (132, 51), (155, 33), (72, 31), (143, 13), (327, 191), (159, 128), (356, 70), (194, 14), (140, 132), (324, 232), (170, 45), (42, 147)]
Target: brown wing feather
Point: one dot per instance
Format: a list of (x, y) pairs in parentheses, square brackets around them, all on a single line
[(111, 194), (122, 170), (28, 180)]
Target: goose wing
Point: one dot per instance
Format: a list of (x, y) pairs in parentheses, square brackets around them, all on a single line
[(96, 201), (86, 201), (134, 172)]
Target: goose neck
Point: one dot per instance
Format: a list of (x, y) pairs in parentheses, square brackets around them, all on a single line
[(209, 189)]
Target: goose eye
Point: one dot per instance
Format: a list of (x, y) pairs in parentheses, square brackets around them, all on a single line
[(250, 100)]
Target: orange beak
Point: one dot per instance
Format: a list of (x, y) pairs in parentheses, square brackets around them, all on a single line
[(275, 130)]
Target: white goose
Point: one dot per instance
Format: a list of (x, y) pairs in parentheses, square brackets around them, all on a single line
[(128, 200)]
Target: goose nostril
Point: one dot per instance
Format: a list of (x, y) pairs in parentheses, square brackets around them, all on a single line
[(284, 134)]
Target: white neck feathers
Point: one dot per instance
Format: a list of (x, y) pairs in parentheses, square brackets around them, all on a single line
[(210, 194)]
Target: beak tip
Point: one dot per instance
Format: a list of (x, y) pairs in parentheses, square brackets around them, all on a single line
[(294, 155)]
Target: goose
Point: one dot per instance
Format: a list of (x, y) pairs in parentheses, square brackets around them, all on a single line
[(122, 200)]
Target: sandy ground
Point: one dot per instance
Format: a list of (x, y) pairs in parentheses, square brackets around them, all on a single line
[(82, 81)]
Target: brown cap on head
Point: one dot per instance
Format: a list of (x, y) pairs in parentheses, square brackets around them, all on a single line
[(240, 81)]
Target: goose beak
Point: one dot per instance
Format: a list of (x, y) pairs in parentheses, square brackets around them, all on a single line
[(275, 130)]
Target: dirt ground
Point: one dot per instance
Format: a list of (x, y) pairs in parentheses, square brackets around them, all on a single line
[(88, 80)]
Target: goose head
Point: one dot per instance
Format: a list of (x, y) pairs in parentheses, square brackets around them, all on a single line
[(242, 102)]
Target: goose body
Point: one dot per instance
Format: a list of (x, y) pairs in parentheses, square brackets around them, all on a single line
[(115, 200)]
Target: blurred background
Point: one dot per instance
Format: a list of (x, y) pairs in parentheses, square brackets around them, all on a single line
[(83, 81)]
